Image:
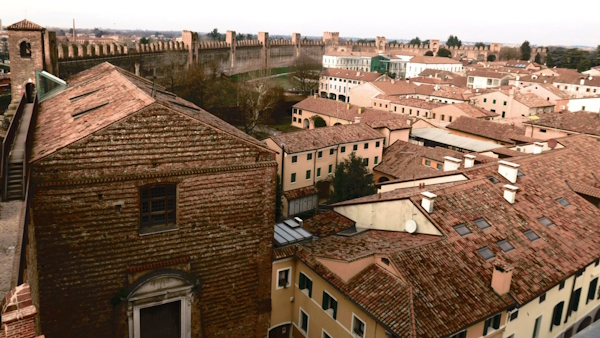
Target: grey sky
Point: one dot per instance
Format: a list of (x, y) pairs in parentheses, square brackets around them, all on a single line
[(508, 21)]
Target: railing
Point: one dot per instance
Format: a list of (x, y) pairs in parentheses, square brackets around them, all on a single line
[(29, 143), (8, 142)]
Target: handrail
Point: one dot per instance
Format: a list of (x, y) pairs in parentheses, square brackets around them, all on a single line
[(29, 141), (8, 142)]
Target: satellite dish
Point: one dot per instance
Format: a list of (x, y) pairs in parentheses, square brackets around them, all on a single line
[(410, 226), (552, 143)]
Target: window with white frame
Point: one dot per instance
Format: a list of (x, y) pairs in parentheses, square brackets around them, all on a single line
[(305, 284), (358, 327), (284, 277), (303, 322), (329, 304)]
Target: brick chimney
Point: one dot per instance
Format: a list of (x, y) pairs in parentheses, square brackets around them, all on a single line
[(538, 147), (427, 201), (510, 193), (508, 170), (469, 161), (18, 313), (502, 277), (451, 163)]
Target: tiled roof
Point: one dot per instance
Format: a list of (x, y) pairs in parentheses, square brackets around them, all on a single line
[(327, 224), (431, 80), (25, 25), (417, 103), (434, 60), (508, 152), (488, 129), (311, 139), (404, 160), (551, 88), (454, 93), (284, 252), (103, 95), (593, 191), (351, 74), (451, 281), (300, 192), (395, 87), (487, 74), (381, 119), (576, 79), (473, 111), (532, 101), (578, 122)]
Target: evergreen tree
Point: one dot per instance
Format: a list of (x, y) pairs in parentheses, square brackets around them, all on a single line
[(526, 51), (429, 53), (538, 58), (352, 180), (491, 58), (584, 65), (443, 52), (415, 41), (453, 41)]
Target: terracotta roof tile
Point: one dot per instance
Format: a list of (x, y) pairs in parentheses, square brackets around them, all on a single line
[(327, 224), (531, 100), (487, 74), (301, 192), (473, 111), (433, 60), (577, 122), (395, 87), (25, 25), (351, 74), (488, 129)]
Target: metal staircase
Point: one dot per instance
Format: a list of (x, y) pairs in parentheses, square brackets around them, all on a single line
[(15, 179)]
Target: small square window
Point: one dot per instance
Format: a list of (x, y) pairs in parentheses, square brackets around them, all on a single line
[(377, 144), (482, 223), (366, 162), (358, 327), (449, 118), (309, 157), (343, 150), (331, 151), (563, 202), (505, 246), (462, 229), (319, 154), (293, 179), (355, 147), (428, 163), (542, 297), (545, 221), (531, 235), (494, 102), (440, 166), (484, 100), (486, 253), (329, 305), (514, 315), (303, 321), (493, 179), (505, 103), (305, 284), (157, 208), (294, 159), (366, 146), (294, 119)]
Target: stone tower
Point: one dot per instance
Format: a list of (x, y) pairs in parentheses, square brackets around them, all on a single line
[(31, 49), (380, 43), (331, 38)]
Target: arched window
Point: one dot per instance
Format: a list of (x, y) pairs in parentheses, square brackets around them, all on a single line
[(25, 48)]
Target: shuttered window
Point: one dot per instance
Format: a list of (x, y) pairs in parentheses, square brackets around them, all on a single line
[(157, 208)]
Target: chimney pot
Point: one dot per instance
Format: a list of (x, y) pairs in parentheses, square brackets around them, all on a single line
[(451, 163), (538, 147), (508, 170), (510, 193), (427, 201), (469, 161), (501, 277)]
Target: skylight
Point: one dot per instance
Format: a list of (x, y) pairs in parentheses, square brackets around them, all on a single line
[(493, 180), (520, 174), (486, 253), (531, 235), (48, 85), (482, 223), (505, 246), (545, 221), (563, 202), (462, 229)]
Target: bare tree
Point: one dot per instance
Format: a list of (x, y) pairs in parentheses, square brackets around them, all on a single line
[(258, 97), (306, 76)]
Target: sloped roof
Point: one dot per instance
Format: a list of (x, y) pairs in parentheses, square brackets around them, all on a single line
[(101, 96), (488, 129), (445, 137), (395, 87), (434, 60), (473, 111), (454, 93), (25, 25), (327, 224), (487, 74), (312, 139), (577, 122), (351, 74), (531, 100)]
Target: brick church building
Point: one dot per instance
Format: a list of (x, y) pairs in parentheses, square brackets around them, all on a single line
[(146, 215)]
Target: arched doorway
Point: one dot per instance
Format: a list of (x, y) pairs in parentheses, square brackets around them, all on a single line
[(342, 98), (585, 323), (306, 124), (30, 92), (159, 304), (324, 95), (337, 124), (332, 96)]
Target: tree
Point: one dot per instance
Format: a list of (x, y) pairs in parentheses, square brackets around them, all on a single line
[(415, 41), (429, 53), (352, 180), (258, 97), (525, 51), (144, 41), (538, 59), (480, 44), (453, 41), (584, 65), (425, 43), (306, 76), (443, 52), (491, 58), (214, 35), (318, 121), (508, 53), (240, 36)]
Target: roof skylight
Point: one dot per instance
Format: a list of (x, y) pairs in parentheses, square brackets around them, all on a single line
[(505, 246), (486, 253), (563, 202), (482, 223), (462, 229), (545, 221), (531, 235)]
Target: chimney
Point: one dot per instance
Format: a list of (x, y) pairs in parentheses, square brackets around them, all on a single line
[(582, 81), (357, 119), (501, 277), (358, 74), (436, 87), (299, 220), (73, 30), (360, 110), (537, 148), (315, 96), (510, 193), (393, 81), (407, 81), (469, 161), (427, 201), (508, 170), (590, 77), (451, 163), (517, 79), (348, 106)]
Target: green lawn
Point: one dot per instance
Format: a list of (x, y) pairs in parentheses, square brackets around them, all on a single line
[(285, 126)]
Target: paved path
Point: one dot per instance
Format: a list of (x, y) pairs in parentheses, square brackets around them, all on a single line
[(10, 215)]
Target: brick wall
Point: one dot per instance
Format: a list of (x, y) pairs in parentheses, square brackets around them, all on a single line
[(224, 216), (23, 69), (18, 314)]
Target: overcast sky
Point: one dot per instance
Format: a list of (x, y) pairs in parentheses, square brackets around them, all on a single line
[(507, 21)]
